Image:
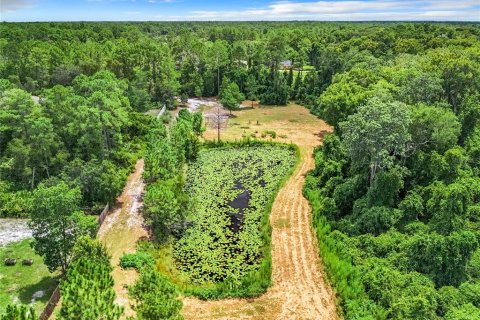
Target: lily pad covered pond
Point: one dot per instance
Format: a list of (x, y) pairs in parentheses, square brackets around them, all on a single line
[(231, 189)]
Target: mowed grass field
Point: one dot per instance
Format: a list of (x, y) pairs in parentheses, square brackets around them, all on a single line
[(292, 124), (21, 284)]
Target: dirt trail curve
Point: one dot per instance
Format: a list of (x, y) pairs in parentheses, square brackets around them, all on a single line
[(299, 289), (121, 230)]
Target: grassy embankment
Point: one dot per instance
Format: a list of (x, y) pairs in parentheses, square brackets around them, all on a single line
[(24, 284)]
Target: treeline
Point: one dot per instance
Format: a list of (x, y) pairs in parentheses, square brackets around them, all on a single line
[(167, 152), (395, 191), (170, 145), (85, 134), (162, 60), (65, 236)]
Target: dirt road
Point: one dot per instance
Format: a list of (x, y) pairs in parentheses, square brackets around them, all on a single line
[(122, 229), (299, 290)]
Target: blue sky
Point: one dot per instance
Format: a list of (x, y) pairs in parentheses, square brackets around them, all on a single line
[(168, 10)]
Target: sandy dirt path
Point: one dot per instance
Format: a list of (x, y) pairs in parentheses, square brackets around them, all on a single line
[(13, 230), (300, 289), (122, 229)]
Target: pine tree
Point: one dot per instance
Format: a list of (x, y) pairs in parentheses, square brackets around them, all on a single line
[(156, 297), (290, 77), (87, 291), (18, 313)]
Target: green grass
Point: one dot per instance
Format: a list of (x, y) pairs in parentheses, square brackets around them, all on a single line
[(296, 72), (18, 283), (282, 223)]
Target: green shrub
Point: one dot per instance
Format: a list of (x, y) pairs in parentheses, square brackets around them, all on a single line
[(270, 133), (18, 313), (155, 297), (87, 290), (136, 260), (346, 278)]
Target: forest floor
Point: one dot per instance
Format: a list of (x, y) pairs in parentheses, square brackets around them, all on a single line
[(300, 289), (122, 229)]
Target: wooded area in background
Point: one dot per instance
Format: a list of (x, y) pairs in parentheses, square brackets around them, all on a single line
[(396, 189)]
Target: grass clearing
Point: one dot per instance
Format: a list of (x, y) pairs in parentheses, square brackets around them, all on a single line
[(297, 72), (292, 124), (21, 284), (298, 286)]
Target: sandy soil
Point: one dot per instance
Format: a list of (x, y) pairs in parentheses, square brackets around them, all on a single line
[(300, 289), (13, 230), (122, 229), (194, 104)]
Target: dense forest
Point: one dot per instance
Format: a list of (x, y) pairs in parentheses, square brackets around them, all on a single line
[(396, 189)]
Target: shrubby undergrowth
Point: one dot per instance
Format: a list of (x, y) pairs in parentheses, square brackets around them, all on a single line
[(393, 194)]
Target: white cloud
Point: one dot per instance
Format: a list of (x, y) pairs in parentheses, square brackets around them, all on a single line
[(322, 7), (356, 10), (14, 5), (443, 5)]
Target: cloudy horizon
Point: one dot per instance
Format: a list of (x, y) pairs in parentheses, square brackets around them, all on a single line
[(214, 10)]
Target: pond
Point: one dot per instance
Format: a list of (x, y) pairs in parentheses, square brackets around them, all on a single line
[(241, 202), (230, 189)]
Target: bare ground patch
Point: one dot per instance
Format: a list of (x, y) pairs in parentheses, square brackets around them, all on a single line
[(13, 230)]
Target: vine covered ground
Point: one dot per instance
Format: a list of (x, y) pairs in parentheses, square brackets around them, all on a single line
[(232, 189)]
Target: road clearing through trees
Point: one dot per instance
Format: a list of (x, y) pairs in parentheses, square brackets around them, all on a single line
[(299, 286), (122, 229)]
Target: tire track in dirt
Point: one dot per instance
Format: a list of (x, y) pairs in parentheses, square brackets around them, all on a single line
[(303, 270), (299, 289), (121, 230)]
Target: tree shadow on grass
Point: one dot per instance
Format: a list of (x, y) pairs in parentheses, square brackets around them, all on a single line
[(47, 285)]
